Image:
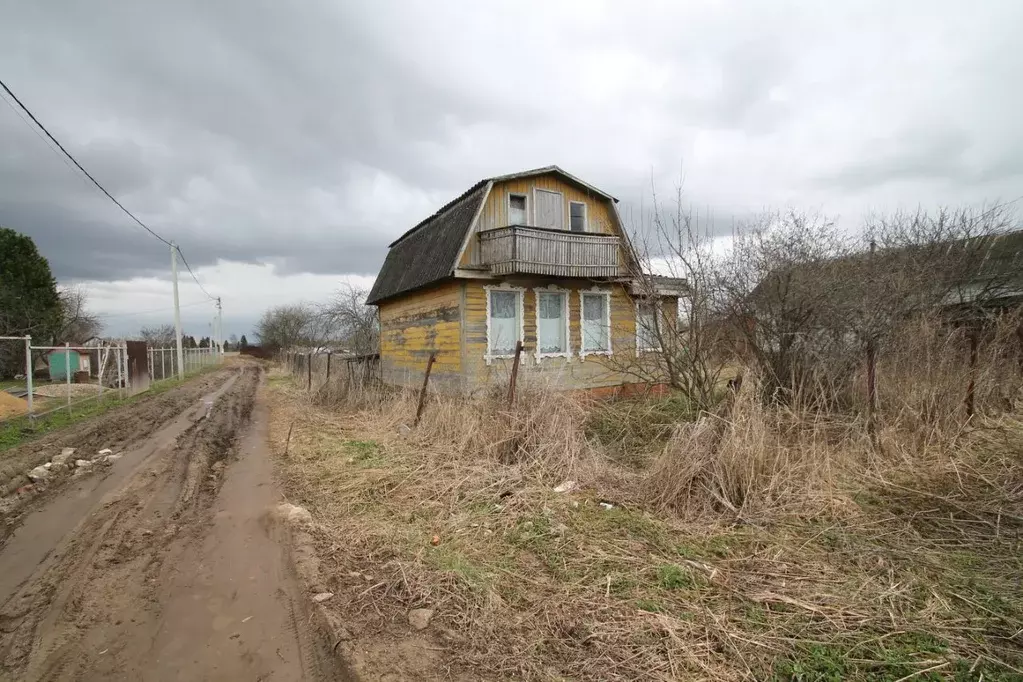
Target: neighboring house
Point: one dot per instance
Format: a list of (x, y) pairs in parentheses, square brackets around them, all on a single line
[(539, 257)]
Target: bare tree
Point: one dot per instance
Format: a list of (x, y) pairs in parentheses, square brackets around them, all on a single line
[(675, 344), (776, 292), (76, 323), (350, 322), (159, 336), (287, 326)]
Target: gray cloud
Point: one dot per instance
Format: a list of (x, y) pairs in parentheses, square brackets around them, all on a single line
[(309, 136)]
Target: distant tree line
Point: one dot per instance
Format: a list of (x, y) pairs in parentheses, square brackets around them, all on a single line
[(344, 322)]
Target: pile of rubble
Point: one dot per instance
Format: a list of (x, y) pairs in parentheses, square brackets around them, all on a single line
[(63, 461)]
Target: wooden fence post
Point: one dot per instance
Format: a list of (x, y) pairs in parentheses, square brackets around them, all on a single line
[(308, 371), (422, 393), (514, 373), (972, 385), (871, 364), (327, 381)]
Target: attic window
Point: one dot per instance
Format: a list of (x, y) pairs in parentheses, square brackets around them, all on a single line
[(577, 214), (517, 209)]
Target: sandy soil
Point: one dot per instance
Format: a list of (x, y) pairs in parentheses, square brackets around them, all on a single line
[(162, 568), (11, 406)]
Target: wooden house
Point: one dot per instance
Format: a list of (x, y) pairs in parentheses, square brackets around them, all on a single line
[(539, 257)]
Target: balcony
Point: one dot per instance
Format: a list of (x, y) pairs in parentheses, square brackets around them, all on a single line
[(518, 249)]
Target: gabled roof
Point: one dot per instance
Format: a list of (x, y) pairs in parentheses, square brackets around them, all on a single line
[(429, 251)]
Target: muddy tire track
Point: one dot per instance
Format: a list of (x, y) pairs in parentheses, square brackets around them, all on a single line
[(103, 585), (116, 429)]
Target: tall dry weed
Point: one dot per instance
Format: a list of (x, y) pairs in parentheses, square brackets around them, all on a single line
[(749, 459), (544, 430)]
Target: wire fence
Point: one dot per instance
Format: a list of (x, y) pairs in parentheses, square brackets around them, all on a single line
[(47, 379), (320, 368)]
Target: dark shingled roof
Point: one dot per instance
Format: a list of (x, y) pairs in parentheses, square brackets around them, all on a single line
[(427, 252)]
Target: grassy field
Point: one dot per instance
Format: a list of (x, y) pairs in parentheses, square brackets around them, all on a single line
[(794, 552)]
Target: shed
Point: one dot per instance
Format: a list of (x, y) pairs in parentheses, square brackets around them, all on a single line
[(59, 359)]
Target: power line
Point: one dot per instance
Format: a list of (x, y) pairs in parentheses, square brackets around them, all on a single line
[(80, 167), (95, 181), (154, 310), (189, 268), (36, 132)]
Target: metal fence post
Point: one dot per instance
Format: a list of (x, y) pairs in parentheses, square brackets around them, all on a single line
[(28, 372), (101, 358), (67, 373), (120, 393)]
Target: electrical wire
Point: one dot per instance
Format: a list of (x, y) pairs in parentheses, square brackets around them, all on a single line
[(155, 310), (80, 167), (189, 268), (97, 184)]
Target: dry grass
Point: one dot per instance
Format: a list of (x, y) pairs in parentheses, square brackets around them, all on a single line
[(759, 543)]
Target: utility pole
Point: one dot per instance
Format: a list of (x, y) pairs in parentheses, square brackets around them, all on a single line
[(220, 330), (177, 311)]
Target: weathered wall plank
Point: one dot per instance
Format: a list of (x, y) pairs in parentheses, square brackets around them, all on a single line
[(413, 326)]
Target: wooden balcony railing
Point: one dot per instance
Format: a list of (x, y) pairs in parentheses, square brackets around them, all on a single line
[(556, 253)]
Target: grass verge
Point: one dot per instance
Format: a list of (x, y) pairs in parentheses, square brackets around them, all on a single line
[(887, 579)]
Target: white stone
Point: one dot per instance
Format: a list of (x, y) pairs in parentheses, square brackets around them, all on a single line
[(566, 487), (322, 597), (40, 473), (113, 458), (48, 465), (420, 618), (106, 451), (83, 463), (63, 457)]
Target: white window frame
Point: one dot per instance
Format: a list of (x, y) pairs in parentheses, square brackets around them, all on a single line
[(508, 206), (566, 293), (551, 191), (657, 307), (583, 352), (521, 291), (586, 216)]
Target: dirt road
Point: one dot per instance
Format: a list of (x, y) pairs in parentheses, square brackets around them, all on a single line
[(162, 568)]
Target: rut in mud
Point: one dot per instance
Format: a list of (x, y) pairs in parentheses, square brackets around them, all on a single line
[(114, 429), (113, 559), (150, 581)]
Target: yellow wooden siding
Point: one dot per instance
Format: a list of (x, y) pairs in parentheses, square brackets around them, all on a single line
[(416, 324), (599, 213), (572, 373)]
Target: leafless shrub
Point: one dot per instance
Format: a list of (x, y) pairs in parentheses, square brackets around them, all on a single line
[(674, 257)]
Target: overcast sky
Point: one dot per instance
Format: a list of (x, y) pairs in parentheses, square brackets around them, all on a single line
[(284, 145)]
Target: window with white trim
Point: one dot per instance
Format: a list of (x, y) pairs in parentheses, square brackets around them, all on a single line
[(646, 326), (504, 321), (596, 322), (517, 209), (577, 216), (551, 323)]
